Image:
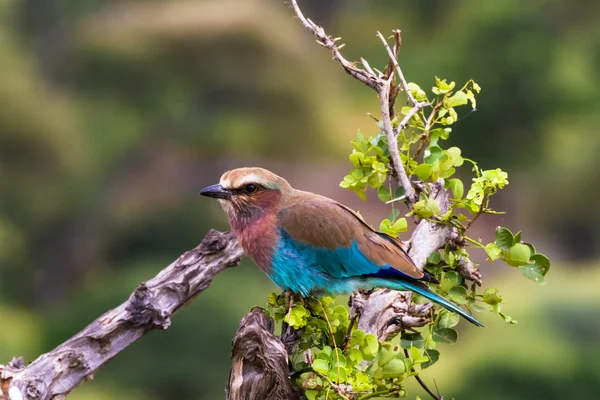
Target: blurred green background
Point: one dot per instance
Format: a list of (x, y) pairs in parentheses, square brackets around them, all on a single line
[(113, 114)]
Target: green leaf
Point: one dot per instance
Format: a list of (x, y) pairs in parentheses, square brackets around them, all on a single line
[(418, 93), (393, 214), (408, 339), (448, 319), (325, 353), (449, 256), (542, 262), (338, 375), (405, 110), (504, 238), (458, 99), (458, 294), (423, 171), (394, 369), (454, 154), (401, 225), (426, 208), (530, 271), (387, 353), (379, 167), (493, 251), (384, 194), (447, 173), (320, 366), (475, 306), (434, 258), (517, 255), (445, 335), (385, 226), (537, 269), (492, 296), (457, 187), (441, 86), (432, 154), (359, 159), (415, 354), (354, 355), (358, 337), (433, 356), (453, 278), (531, 248), (370, 347), (517, 238), (311, 394)]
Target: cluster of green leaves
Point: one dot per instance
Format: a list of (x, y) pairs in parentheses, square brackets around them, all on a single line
[(332, 362), (515, 253)]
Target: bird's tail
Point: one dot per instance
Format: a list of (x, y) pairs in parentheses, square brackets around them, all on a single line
[(423, 290)]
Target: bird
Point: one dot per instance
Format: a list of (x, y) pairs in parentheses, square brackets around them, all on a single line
[(312, 245)]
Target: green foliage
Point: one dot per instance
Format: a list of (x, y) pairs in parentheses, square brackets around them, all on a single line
[(383, 366), (331, 358), (370, 158)]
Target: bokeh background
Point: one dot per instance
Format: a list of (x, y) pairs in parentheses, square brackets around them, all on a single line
[(113, 114)]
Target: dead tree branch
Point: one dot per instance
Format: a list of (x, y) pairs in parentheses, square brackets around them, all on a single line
[(54, 374), (382, 84)]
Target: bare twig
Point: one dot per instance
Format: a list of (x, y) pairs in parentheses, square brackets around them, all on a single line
[(328, 42), (393, 59), (397, 165), (54, 374)]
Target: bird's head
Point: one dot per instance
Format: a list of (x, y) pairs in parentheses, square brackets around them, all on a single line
[(248, 193)]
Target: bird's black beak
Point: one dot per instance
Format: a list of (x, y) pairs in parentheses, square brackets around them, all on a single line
[(216, 191)]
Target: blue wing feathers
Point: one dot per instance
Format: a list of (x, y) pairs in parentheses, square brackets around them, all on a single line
[(308, 269)]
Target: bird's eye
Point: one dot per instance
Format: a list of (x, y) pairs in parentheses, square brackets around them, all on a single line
[(250, 188)]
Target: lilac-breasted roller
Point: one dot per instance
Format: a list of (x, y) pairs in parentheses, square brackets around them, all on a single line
[(313, 245)]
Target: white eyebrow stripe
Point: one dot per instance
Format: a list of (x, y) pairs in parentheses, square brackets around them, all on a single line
[(250, 178)]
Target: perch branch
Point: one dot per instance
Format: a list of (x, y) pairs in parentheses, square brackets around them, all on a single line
[(54, 374)]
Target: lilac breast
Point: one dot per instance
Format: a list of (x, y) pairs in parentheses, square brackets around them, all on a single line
[(259, 240)]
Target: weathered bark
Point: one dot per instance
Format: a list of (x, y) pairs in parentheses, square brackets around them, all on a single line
[(384, 312), (54, 374), (429, 236), (259, 362)]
